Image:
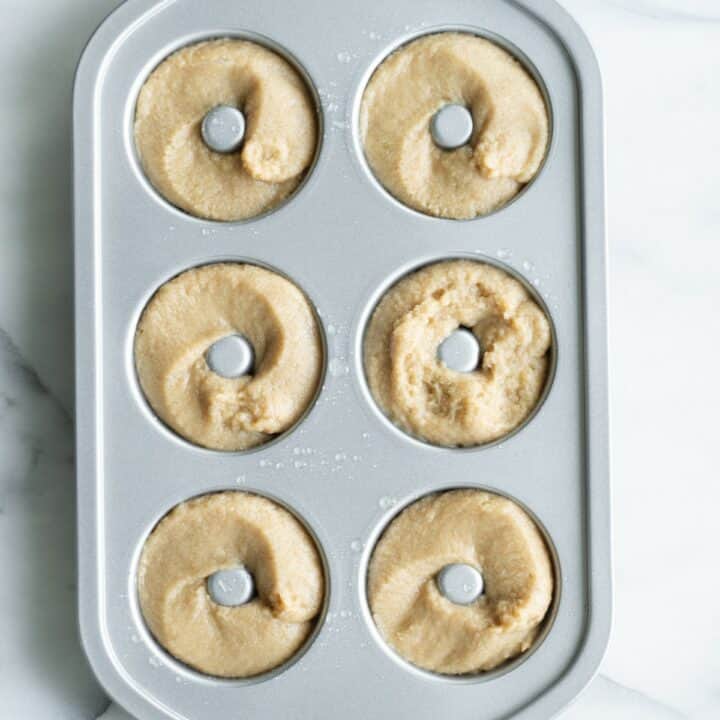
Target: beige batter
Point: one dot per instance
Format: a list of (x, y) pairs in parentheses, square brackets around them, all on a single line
[(433, 402), (188, 314), (222, 531), (472, 527), (281, 129), (510, 125)]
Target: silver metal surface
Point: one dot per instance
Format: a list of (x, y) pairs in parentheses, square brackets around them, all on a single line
[(231, 587), (460, 583), (344, 470), (223, 129), (231, 356), (460, 351), (451, 126)]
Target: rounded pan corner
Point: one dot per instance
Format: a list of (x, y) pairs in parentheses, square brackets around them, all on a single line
[(570, 33), (113, 679), (97, 45), (106, 35), (583, 667), (586, 665), (100, 661)]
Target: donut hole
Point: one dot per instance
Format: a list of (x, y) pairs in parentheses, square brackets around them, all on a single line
[(452, 126), (231, 356), (461, 350), (460, 583), (223, 129), (231, 587)]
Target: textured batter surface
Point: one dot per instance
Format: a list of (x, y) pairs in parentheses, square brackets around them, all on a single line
[(188, 314), (510, 120), (461, 526), (280, 139), (426, 398), (221, 531)]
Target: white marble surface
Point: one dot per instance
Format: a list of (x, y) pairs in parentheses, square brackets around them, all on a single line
[(660, 60)]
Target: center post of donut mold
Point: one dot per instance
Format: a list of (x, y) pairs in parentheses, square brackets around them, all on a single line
[(231, 356), (451, 126), (460, 583), (231, 587), (223, 129), (460, 351)]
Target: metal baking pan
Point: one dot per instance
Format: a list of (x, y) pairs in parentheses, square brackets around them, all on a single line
[(344, 469)]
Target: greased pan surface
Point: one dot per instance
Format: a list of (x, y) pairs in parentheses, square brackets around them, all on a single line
[(344, 469)]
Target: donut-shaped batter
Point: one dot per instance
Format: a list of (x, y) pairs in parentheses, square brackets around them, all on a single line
[(472, 527), (217, 532), (510, 123), (280, 139), (420, 393), (193, 310)]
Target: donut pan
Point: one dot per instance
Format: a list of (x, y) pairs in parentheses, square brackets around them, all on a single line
[(344, 469)]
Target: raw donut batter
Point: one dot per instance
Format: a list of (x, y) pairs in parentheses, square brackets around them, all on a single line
[(216, 532), (279, 143), (426, 398), (509, 116), (188, 314), (472, 527)]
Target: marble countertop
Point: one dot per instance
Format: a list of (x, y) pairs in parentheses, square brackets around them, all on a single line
[(660, 62)]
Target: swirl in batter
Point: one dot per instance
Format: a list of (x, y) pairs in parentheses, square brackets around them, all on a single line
[(217, 532), (473, 527), (280, 139), (188, 314), (510, 122)]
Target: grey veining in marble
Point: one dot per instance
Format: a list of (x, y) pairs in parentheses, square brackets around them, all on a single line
[(43, 671), (660, 60)]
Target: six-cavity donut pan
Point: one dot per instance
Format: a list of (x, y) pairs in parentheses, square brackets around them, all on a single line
[(344, 469)]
